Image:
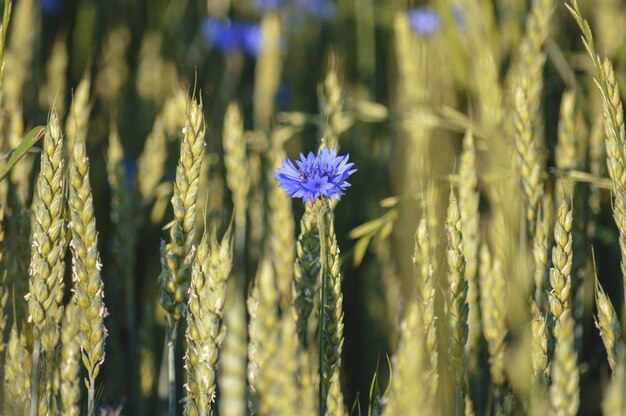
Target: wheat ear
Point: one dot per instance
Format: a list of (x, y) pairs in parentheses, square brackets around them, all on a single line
[(205, 330), (88, 287)]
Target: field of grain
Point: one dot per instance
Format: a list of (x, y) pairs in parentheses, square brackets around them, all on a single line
[(312, 207)]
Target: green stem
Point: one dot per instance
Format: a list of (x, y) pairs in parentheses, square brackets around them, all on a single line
[(34, 384), (171, 370), (322, 235), (91, 397)]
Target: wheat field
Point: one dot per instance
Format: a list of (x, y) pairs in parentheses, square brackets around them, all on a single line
[(312, 207)]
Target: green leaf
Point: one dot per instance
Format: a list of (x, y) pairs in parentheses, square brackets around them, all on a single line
[(18, 153)]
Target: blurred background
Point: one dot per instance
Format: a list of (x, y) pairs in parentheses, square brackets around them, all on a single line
[(396, 83)]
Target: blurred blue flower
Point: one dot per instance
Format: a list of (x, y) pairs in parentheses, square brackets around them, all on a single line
[(130, 170), (269, 5), (322, 10), (458, 13), (321, 176), (230, 35), (50, 7), (284, 97), (424, 21)]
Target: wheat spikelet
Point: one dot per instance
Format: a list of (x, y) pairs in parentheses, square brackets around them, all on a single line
[(113, 73), (334, 120), (16, 374), (560, 279), (205, 331), (68, 367), (539, 329), (147, 366), (18, 56), (540, 255), (151, 163), (156, 77), (470, 217), (406, 395), (306, 274), (493, 302), (331, 337), (268, 70), (177, 254), (528, 153), (456, 300), (613, 127), (77, 122), (566, 156), (425, 284), (564, 398), (262, 327), (280, 221), (610, 330), (53, 92), (88, 287), (47, 265), (532, 53), (232, 374), (236, 161), (277, 385), (614, 402)]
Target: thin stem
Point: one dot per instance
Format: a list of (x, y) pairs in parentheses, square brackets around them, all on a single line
[(459, 398), (171, 370), (34, 384), (91, 397), (322, 235), (131, 320)]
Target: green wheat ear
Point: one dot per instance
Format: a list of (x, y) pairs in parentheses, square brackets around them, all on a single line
[(47, 266), (306, 274), (456, 299), (88, 286), (177, 255), (205, 330)]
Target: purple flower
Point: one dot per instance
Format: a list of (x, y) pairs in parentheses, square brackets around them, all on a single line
[(424, 21), (321, 176), (230, 35)]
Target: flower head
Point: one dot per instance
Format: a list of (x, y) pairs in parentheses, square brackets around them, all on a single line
[(424, 21), (231, 35), (321, 176)]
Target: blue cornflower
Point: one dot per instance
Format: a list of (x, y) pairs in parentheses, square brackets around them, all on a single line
[(321, 176), (230, 35), (424, 21)]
